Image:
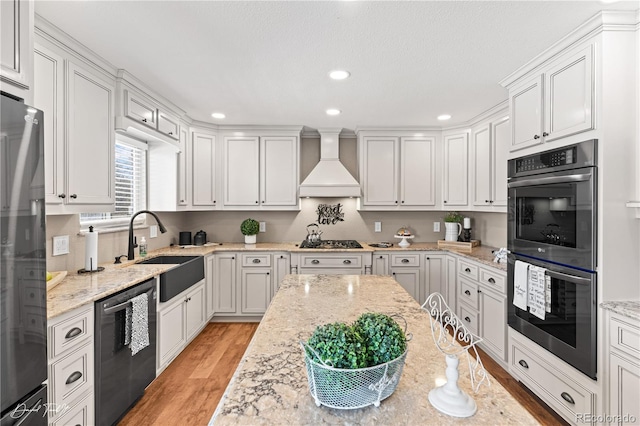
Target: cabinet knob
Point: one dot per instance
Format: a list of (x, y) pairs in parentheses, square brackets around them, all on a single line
[(445, 201), (428, 258), (479, 291), (536, 137), (144, 120), (405, 260), (467, 292), (545, 134), (74, 196), (380, 256), (63, 195), (393, 273), (486, 201), (346, 262), (567, 398), (267, 273), (257, 202), (315, 261), (402, 201), (233, 258), (396, 201), (523, 363), (182, 201), (467, 319), (490, 201), (171, 133), (281, 257), (262, 201)]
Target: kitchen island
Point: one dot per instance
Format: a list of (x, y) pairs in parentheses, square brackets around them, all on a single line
[(270, 383)]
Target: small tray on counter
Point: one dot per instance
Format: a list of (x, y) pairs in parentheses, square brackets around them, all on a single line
[(57, 278), (459, 245), (382, 244)]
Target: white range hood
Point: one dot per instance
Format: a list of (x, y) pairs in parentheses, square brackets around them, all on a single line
[(329, 178)]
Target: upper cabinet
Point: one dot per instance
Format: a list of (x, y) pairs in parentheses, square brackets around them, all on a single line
[(78, 103), (555, 103), (456, 165), (397, 172), (202, 153), (16, 48), (261, 172)]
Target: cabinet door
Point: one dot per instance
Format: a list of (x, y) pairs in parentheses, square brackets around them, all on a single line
[(380, 264), (183, 166), (417, 172), (168, 125), (171, 331), (501, 136), (203, 157), (493, 322), (242, 171), (451, 280), (281, 267), (435, 277), (48, 84), (279, 171), (256, 290), (409, 279), (624, 388), (16, 20), (482, 165), (224, 283), (209, 275), (195, 311), (90, 137), (141, 109), (455, 170), (380, 171), (525, 104), (569, 88)]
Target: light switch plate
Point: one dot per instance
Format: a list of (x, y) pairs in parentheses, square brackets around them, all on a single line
[(436, 226), (60, 245), (153, 231), (263, 226), (377, 227)]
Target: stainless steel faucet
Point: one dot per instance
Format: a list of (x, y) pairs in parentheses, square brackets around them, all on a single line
[(131, 253)]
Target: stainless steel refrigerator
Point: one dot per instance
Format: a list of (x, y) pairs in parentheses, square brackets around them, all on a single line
[(23, 294)]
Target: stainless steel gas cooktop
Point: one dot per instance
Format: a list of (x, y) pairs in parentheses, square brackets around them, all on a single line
[(331, 244)]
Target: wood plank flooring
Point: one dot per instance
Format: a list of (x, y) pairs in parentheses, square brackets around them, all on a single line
[(188, 391)]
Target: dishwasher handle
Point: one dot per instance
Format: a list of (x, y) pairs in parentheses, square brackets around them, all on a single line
[(107, 310)]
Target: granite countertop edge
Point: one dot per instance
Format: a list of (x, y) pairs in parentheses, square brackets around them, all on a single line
[(626, 308)]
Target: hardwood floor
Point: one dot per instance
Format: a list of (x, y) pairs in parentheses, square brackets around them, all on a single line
[(189, 390)]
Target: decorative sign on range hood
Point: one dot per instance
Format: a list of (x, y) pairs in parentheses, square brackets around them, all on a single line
[(329, 178)]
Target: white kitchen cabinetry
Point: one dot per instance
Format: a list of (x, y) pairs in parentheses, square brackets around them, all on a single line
[(489, 149), (556, 103), (261, 172), (341, 263), (398, 172), (281, 267), (184, 166), (209, 288), (451, 275), (456, 164), (224, 283), (406, 268), (380, 264), (204, 168), (482, 306), (78, 105), (179, 321), (623, 359), (256, 285), (16, 48), (71, 366), (435, 276)]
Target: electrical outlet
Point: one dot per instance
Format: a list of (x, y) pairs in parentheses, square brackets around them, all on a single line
[(153, 231), (377, 226), (436, 226), (60, 245), (263, 226)]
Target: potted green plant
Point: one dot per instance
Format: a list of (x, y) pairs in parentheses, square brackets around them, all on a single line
[(452, 226), (249, 228)]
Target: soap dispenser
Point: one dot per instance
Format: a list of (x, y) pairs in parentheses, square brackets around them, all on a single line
[(143, 247)]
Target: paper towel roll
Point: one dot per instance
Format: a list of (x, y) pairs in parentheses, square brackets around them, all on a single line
[(91, 251)]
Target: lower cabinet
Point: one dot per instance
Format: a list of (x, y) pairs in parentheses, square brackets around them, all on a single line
[(406, 268), (256, 290), (179, 321), (281, 267), (224, 283), (71, 367), (435, 276)]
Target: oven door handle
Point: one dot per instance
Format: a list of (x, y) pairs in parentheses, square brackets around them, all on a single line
[(570, 278), (549, 180)]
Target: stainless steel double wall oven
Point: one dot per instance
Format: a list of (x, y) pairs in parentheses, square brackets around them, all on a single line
[(552, 224)]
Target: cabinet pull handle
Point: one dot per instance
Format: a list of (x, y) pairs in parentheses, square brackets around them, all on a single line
[(74, 377), (315, 261), (144, 120), (72, 333), (74, 196), (171, 133), (567, 398), (523, 363), (491, 280), (63, 195), (405, 260), (467, 270), (479, 291), (545, 134), (346, 262), (256, 260), (536, 137), (467, 292), (467, 319)]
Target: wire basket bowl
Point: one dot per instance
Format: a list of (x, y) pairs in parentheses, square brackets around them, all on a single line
[(344, 388)]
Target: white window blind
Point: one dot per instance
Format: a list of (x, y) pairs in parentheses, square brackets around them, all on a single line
[(130, 187)]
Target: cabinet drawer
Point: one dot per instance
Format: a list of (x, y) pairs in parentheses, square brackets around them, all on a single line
[(346, 261), (469, 293), (81, 414), (469, 318), (256, 260), (563, 393), (624, 337), (468, 270), (405, 260), (493, 279), (70, 332), (72, 376), (168, 125)]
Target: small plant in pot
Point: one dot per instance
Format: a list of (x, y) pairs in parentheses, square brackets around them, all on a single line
[(452, 225), (250, 229)]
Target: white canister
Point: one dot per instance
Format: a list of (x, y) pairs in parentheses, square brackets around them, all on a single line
[(452, 231)]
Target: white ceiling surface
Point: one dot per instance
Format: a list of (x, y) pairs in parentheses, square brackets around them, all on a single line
[(267, 62)]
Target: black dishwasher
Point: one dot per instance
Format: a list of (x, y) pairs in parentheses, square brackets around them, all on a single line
[(121, 375)]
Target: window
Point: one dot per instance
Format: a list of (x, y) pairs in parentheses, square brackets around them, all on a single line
[(130, 183)]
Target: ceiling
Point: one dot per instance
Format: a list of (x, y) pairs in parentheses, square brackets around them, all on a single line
[(267, 63)]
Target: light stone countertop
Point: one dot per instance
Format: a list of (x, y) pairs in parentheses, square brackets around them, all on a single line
[(270, 384), (76, 290), (627, 308)]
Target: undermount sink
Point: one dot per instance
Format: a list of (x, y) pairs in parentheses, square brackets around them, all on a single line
[(189, 270)]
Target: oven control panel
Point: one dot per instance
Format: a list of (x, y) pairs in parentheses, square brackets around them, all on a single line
[(548, 159)]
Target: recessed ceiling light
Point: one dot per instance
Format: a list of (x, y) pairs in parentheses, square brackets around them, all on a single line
[(339, 74), (218, 115), (333, 111), (444, 117)]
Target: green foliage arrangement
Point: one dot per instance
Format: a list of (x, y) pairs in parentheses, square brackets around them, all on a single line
[(249, 227), (453, 217), (371, 340)]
